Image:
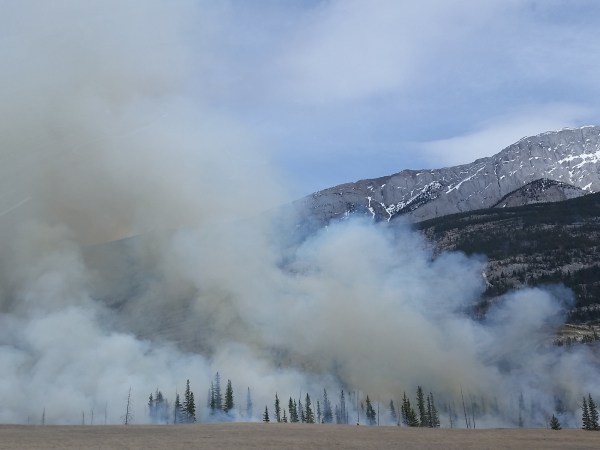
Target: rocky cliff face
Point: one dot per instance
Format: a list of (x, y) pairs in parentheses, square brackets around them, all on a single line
[(570, 157)]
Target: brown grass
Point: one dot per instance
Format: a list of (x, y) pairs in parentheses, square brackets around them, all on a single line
[(286, 436)]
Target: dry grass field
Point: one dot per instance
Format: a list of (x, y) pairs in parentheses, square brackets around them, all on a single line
[(286, 436)]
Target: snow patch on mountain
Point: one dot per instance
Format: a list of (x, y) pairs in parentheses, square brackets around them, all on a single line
[(570, 156)]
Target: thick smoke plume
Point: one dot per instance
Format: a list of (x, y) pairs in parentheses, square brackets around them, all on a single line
[(136, 251)]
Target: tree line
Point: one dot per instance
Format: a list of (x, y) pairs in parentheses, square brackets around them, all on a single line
[(222, 407), (346, 407)]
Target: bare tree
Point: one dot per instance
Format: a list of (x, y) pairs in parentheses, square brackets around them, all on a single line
[(128, 415)]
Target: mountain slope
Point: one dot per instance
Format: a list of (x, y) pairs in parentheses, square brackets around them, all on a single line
[(569, 156), (540, 191), (531, 245)]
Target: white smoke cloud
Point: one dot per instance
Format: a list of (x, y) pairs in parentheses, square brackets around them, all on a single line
[(100, 145)]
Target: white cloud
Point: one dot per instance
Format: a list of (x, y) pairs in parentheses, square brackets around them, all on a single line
[(353, 49)]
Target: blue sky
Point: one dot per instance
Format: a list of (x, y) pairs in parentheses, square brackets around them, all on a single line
[(350, 89), (334, 90)]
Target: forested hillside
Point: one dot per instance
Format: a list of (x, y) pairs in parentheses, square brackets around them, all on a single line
[(530, 246)]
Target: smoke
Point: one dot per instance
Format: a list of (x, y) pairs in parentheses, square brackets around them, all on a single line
[(136, 251)]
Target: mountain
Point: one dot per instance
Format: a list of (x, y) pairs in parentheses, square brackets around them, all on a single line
[(540, 191), (568, 161), (531, 245)]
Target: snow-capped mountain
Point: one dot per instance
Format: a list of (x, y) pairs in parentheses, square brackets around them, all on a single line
[(569, 161)]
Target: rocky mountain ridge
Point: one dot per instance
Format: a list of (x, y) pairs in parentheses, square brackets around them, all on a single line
[(570, 158)]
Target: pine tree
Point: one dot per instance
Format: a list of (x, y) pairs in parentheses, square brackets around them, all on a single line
[(151, 411), (301, 415), (593, 412), (284, 419), (249, 405), (371, 414), (212, 403), (266, 415), (318, 412), (393, 415), (327, 412), (432, 412), (343, 414), (585, 415), (217, 393), (403, 409), (310, 416), (421, 406), (429, 421), (188, 407), (554, 423), (228, 398), (409, 417), (191, 409), (521, 410), (277, 409), (293, 411), (177, 410), (161, 412)]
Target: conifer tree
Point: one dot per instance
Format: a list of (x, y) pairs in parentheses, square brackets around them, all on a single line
[(393, 415), (301, 415), (277, 409), (212, 404), (177, 410), (343, 414), (188, 407), (554, 423), (428, 413), (191, 409), (409, 417), (327, 412), (371, 414), (309, 416), (403, 409), (284, 419), (293, 411), (217, 393), (228, 398), (521, 410), (593, 413), (249, 405), (318, 412), (151, 407), (160, 407), (421, 407), (432, 412), (585, 415), (266, 415)]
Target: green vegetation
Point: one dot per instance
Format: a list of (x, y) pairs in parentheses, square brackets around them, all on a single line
[(554, 423), (531, 245), (522, 413), (589, 414)]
